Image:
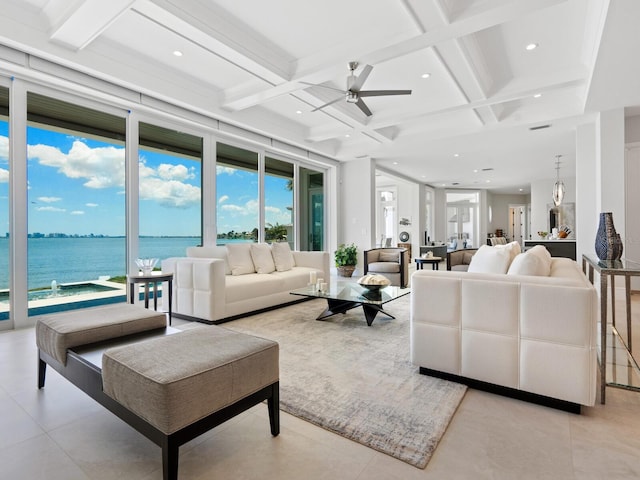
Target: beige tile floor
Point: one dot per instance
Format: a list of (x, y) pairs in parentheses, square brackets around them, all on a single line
[(60, 433)]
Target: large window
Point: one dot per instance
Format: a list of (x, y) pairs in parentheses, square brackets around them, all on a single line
[(170, 197), (236, 194), (278, 202), (311, 201), (4, 204), (76, 201)]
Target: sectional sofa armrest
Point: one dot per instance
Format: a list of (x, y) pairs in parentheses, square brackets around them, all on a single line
[(317, 260), (198, 286)]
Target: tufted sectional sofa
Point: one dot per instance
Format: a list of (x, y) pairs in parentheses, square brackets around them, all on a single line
[(215, 284), (531, 336)]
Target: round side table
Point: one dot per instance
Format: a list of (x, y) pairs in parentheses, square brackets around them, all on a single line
[(154, 279)]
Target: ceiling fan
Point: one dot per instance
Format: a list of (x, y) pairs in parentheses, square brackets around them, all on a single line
[(354, 94)]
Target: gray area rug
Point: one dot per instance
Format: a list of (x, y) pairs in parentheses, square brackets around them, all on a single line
[(357, 381)]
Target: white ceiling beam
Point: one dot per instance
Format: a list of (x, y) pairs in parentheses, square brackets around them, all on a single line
[(322, 66), (568, 82), (76, 25), (211, 28)]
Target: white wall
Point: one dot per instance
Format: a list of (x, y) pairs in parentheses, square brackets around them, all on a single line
[(499, 204), (587, 208)]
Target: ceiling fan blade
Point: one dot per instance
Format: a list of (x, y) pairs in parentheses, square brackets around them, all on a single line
[(327, 104), (362, 106), (357, 84), (381, 93), (322, 86)]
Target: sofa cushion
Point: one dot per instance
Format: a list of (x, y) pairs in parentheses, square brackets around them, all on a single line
[(389, 257), (239, 288), (528, 264), (384, 267), (512, 247), (262, 258), (211, 252), (240, 261), (282, 256), (490, 260), (545, 257)]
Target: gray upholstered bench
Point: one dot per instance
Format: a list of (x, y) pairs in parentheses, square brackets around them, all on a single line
[(171, 386)]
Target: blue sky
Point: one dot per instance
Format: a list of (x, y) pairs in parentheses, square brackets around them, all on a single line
[(76, 186)]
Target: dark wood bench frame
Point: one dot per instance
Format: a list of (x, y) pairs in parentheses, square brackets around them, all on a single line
[(87, 376)]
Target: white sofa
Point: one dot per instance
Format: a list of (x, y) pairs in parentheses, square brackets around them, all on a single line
[(207, 287), (523, 334)]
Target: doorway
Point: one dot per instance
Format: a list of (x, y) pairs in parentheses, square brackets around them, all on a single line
[(517, 224)]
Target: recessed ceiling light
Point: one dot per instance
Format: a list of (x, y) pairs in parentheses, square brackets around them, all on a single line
[(177, 53), (488, 181), (299, 112), (475, 170), (456, 154), (347, 135), (537, 95), (423, 176), (395, 163), (521, 189), (532, 46), (443, 184), (425, 75)]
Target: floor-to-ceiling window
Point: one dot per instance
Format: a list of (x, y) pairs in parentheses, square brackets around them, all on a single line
[(386, 214), (170, 191), (4, 204), (312, 209), (237, 203), (76, 201), (278, 201)]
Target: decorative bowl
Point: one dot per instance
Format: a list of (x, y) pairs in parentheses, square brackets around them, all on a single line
[(146, 264), (374, 282), (543, 235)]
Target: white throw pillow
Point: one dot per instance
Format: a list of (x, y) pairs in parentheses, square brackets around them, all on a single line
[(528, 264), (282, 256), (545, 257), (239, 256), (262, 258), (512, 247), (490, 260)]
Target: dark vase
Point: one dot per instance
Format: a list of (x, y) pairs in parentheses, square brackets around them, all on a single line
[(608, 242)]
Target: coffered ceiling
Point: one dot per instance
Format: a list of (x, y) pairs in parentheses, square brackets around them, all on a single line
[(477, 92)]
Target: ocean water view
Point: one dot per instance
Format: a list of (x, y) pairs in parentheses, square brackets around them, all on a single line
[(70, 259)]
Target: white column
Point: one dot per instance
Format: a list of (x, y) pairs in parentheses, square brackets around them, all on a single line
[(587, 203)]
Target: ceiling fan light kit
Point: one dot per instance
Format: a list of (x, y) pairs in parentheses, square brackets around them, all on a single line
[(353, 93)]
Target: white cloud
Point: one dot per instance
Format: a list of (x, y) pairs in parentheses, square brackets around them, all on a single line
[(102, 167), (50, 209), (77, 212), (228, 170), (90, 204), (4, 175), (223, 198), (174, 172), (49, 199), (4, 148), (249, 208), (233, 208)]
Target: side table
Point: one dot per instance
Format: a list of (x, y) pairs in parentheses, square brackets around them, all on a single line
[(434, 261), (608, 270), (151, 279)]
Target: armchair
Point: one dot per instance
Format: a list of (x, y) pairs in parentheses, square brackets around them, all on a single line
[(390, 262), (459, 260)]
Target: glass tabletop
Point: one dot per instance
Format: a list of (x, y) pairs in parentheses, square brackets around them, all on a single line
[(353, 292), (613, 266)]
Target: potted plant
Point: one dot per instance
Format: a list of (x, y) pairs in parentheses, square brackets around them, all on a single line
[(346, 258)]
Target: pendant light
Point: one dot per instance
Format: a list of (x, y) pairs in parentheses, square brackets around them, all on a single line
[(558, 187)]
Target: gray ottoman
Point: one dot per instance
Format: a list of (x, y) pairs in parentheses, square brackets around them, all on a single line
[(171, 386)]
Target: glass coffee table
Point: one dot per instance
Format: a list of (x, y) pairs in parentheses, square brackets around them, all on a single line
[(344, 297)]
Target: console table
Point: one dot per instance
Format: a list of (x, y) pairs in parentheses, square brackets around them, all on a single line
[(608, 269)]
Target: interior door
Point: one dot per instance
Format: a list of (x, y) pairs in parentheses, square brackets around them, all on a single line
[(461, 226)]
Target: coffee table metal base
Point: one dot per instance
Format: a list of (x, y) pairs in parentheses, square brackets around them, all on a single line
[(342, 306)]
